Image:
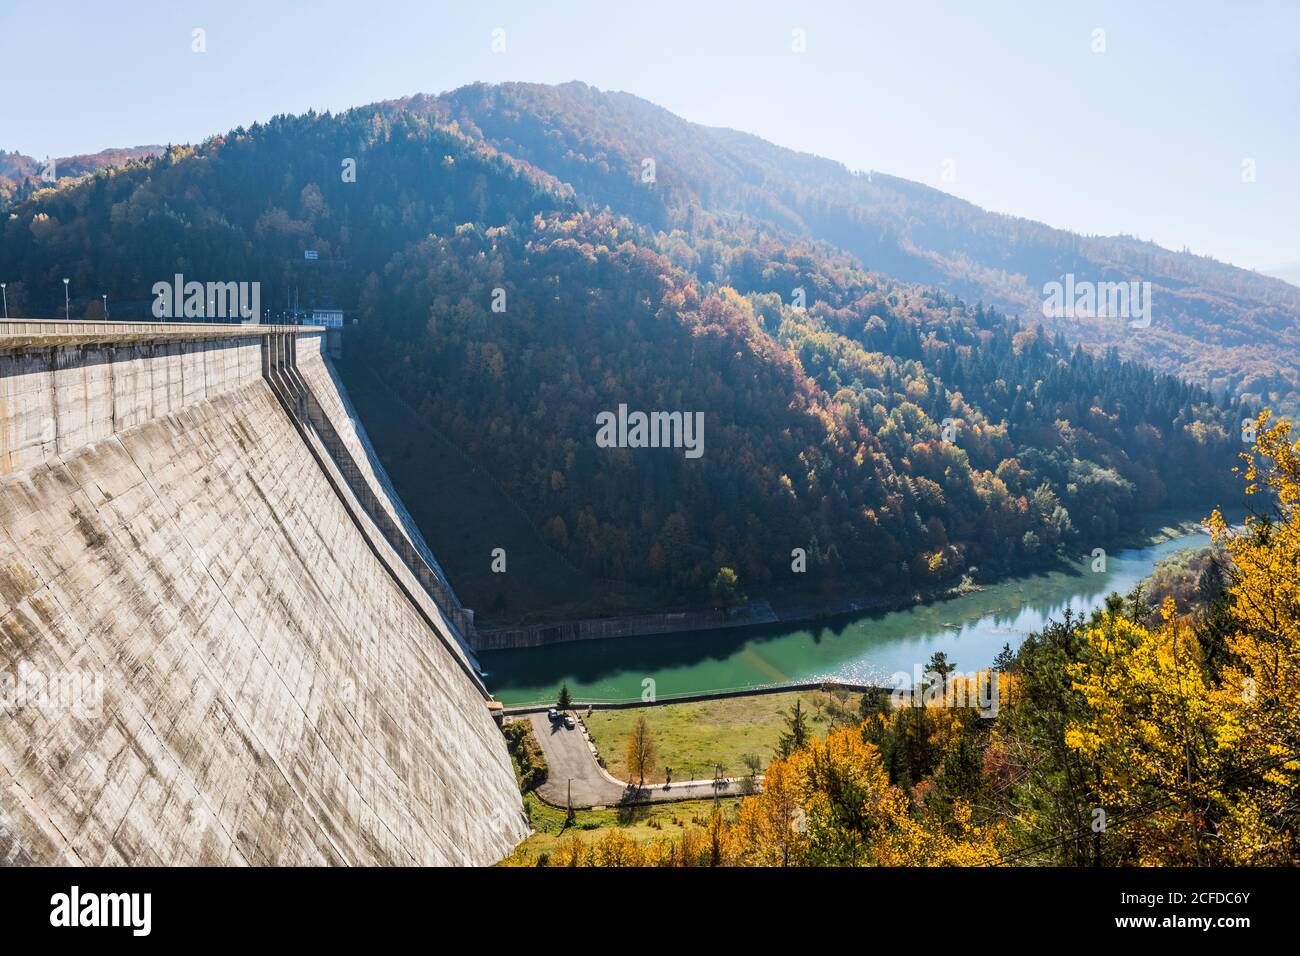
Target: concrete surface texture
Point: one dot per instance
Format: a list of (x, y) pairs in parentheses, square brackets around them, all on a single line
[(318, 376), (204, 657)]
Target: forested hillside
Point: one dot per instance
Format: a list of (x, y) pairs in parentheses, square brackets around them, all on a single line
[(21, 175), (824, 423), (1227, 328)]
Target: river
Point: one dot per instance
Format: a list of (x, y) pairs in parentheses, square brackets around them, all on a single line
[(865, 648)]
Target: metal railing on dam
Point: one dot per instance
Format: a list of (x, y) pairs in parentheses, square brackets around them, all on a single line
[(37, 333)]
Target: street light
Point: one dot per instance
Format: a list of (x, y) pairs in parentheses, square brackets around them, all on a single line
[(104, 296), (67, 308), (6, 298)]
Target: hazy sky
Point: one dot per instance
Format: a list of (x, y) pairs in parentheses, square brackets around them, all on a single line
[(1147, 138)]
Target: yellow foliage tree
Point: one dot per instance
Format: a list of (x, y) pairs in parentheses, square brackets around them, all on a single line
[(770, 829), (830, 803), (1198, 768), (640, 752), (1151, 733), (1259, 691)]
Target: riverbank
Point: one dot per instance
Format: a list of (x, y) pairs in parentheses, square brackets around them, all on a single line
[(864, 648), (750, 614), (1157, 528), (815, 686)]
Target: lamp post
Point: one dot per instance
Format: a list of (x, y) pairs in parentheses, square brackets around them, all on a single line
[(67, 307), (5, 295), (104, 296)]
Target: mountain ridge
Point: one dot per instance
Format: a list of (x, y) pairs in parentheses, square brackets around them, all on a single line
[(897, 436), (909, 231)]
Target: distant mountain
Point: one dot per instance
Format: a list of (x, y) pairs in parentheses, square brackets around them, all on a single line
[(1224, 327), (20, 174), (876, 437)]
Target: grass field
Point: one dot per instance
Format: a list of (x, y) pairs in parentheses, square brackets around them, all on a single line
[(692, 738), (642, 823)]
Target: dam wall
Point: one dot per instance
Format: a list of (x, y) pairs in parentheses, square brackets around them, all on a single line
[(56, 400), (337, 424), (209, 652)]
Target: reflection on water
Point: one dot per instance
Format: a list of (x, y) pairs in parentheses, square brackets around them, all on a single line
[(970, 629)]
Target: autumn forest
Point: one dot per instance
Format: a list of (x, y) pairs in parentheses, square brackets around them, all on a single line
[(903, 438)]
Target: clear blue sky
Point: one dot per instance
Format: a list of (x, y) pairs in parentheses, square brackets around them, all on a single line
[(1147, 138)]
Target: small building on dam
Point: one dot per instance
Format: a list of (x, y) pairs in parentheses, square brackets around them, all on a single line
[(222, 640)]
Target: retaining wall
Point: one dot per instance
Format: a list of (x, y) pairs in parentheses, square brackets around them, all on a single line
[(637, 625)]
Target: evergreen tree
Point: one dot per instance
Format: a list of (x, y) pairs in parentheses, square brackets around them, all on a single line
[(796, 733)]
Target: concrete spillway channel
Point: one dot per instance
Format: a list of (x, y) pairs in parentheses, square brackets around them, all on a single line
[(221, 640)]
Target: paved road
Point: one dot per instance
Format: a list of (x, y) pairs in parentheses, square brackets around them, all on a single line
[(569, 758)]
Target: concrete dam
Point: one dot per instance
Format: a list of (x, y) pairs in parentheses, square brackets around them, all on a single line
[(222, 640)]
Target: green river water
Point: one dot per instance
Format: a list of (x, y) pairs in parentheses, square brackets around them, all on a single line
[(865, 648)]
